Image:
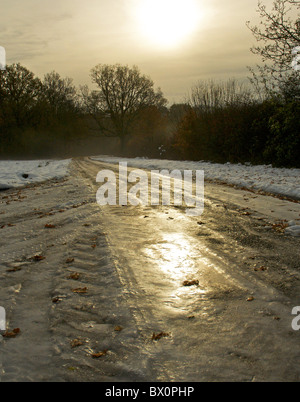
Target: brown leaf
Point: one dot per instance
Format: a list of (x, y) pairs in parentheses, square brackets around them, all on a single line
[(74, 276), (56, 299), (80, 290), (69, 260), (118, 328), (156, 337), (12, 334), (75, 343), (280, 226), (49, 226), (262, 268), (38, 258), (14, 269), (251, 298), (190, 283), (100, 354)]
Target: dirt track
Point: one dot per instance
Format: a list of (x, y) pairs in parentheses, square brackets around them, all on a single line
[(131, 263)]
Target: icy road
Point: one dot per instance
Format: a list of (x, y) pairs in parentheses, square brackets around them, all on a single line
[(124, 293)]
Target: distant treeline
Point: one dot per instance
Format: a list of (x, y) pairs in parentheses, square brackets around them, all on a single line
[(224, 122), (220, 122), (37, 118)]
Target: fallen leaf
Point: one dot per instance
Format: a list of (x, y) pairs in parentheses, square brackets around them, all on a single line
[(38, 258), (156, 337), (49, 226), (74, 276), (280, 226), (99, 354), (79, 290), (118, 328), (56, 299), (14, 269), (69, 260), (251, 298), (190, 283), (11, 334), (262, 268), (75, 343)]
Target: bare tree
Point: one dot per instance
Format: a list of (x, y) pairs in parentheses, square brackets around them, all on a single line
[(19, 91), (59, 93), (278, 34), (211, 95), (121, 95)]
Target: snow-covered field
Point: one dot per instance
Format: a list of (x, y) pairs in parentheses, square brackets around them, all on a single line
[(20, 173)]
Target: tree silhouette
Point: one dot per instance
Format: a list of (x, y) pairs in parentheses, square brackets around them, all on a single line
[(278, 34), (121, 95)]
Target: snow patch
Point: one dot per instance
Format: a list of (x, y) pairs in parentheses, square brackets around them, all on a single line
[(293, 229), (20, 173)]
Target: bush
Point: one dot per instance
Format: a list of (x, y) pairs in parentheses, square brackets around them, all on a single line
[(283, 146)]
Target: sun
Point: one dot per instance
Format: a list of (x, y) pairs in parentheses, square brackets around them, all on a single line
[(167, 23)]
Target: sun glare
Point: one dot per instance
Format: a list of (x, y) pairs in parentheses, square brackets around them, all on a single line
[(167, 23)]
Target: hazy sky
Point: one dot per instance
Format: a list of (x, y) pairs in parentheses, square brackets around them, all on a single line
[(175, 42)]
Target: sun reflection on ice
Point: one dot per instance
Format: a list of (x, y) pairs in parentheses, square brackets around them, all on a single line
[(178, 261)]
